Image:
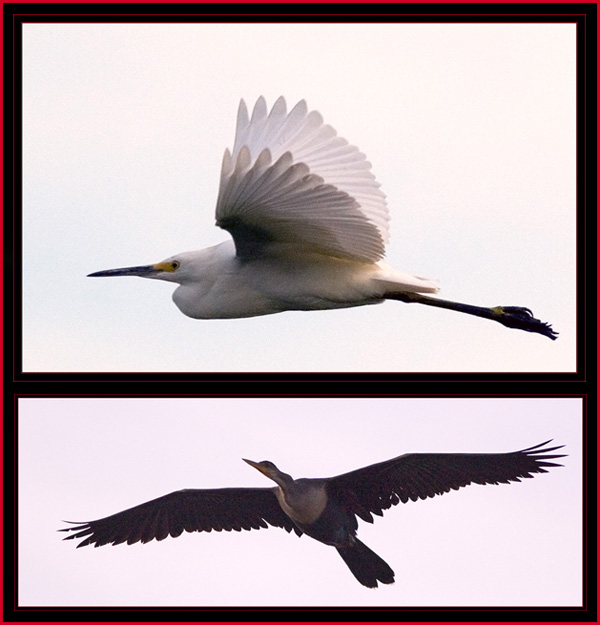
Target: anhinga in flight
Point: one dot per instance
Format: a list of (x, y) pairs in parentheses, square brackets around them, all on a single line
[(324, 509)]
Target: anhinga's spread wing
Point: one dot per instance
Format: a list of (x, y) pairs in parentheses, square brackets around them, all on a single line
[(417, 476), (291, 180), (190, 510)]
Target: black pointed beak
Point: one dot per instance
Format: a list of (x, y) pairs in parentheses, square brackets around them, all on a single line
[(144, 271)]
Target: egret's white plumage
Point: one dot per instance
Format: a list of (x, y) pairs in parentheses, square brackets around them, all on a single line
[(292, 174), (309, 226), (308, 220)]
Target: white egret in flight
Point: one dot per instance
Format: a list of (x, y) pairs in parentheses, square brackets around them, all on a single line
[(309, 226)]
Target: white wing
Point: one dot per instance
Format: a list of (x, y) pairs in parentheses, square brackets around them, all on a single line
[(291, 179)]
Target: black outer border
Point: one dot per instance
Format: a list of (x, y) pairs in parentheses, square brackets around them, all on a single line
[(579, 384), (584, 15)]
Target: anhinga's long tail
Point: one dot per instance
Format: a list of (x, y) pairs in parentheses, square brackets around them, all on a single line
[(366, 565)]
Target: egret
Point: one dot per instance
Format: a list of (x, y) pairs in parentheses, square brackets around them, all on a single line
[(324, 509), (309, 226)]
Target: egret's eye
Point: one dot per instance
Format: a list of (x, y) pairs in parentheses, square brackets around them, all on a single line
[(175, 265)]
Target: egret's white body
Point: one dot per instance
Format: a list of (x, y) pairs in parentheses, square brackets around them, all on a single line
[(214, 283), (309, 226), (308, 220)]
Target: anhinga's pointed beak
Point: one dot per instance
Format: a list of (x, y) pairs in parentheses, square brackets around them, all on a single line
[(266, 468), (260, 466), (252, 463)]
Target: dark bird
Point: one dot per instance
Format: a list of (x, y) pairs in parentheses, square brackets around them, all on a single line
[(324, 509)]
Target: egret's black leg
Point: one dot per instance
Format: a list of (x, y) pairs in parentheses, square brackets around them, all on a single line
[(509, 316)]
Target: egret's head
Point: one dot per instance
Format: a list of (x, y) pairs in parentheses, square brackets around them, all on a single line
[(172, 269)]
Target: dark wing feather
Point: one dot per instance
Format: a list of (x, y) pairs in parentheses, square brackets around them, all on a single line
[(187, 510), (378, 487)]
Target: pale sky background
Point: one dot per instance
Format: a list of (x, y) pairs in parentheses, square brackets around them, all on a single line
[(517, 544), (470, 130)]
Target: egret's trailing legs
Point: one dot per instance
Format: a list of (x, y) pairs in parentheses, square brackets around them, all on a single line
[(509, 316)]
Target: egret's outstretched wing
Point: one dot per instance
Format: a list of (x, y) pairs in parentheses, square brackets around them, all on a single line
[(190, 510), (291, 179), (412, 477)]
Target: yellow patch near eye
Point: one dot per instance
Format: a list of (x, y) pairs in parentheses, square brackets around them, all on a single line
[(170, 266)]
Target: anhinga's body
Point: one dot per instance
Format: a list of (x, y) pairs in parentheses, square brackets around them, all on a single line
[(323, 517), (324, 509)]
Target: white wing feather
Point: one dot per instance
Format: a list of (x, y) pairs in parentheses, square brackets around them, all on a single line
[(291, 179)]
